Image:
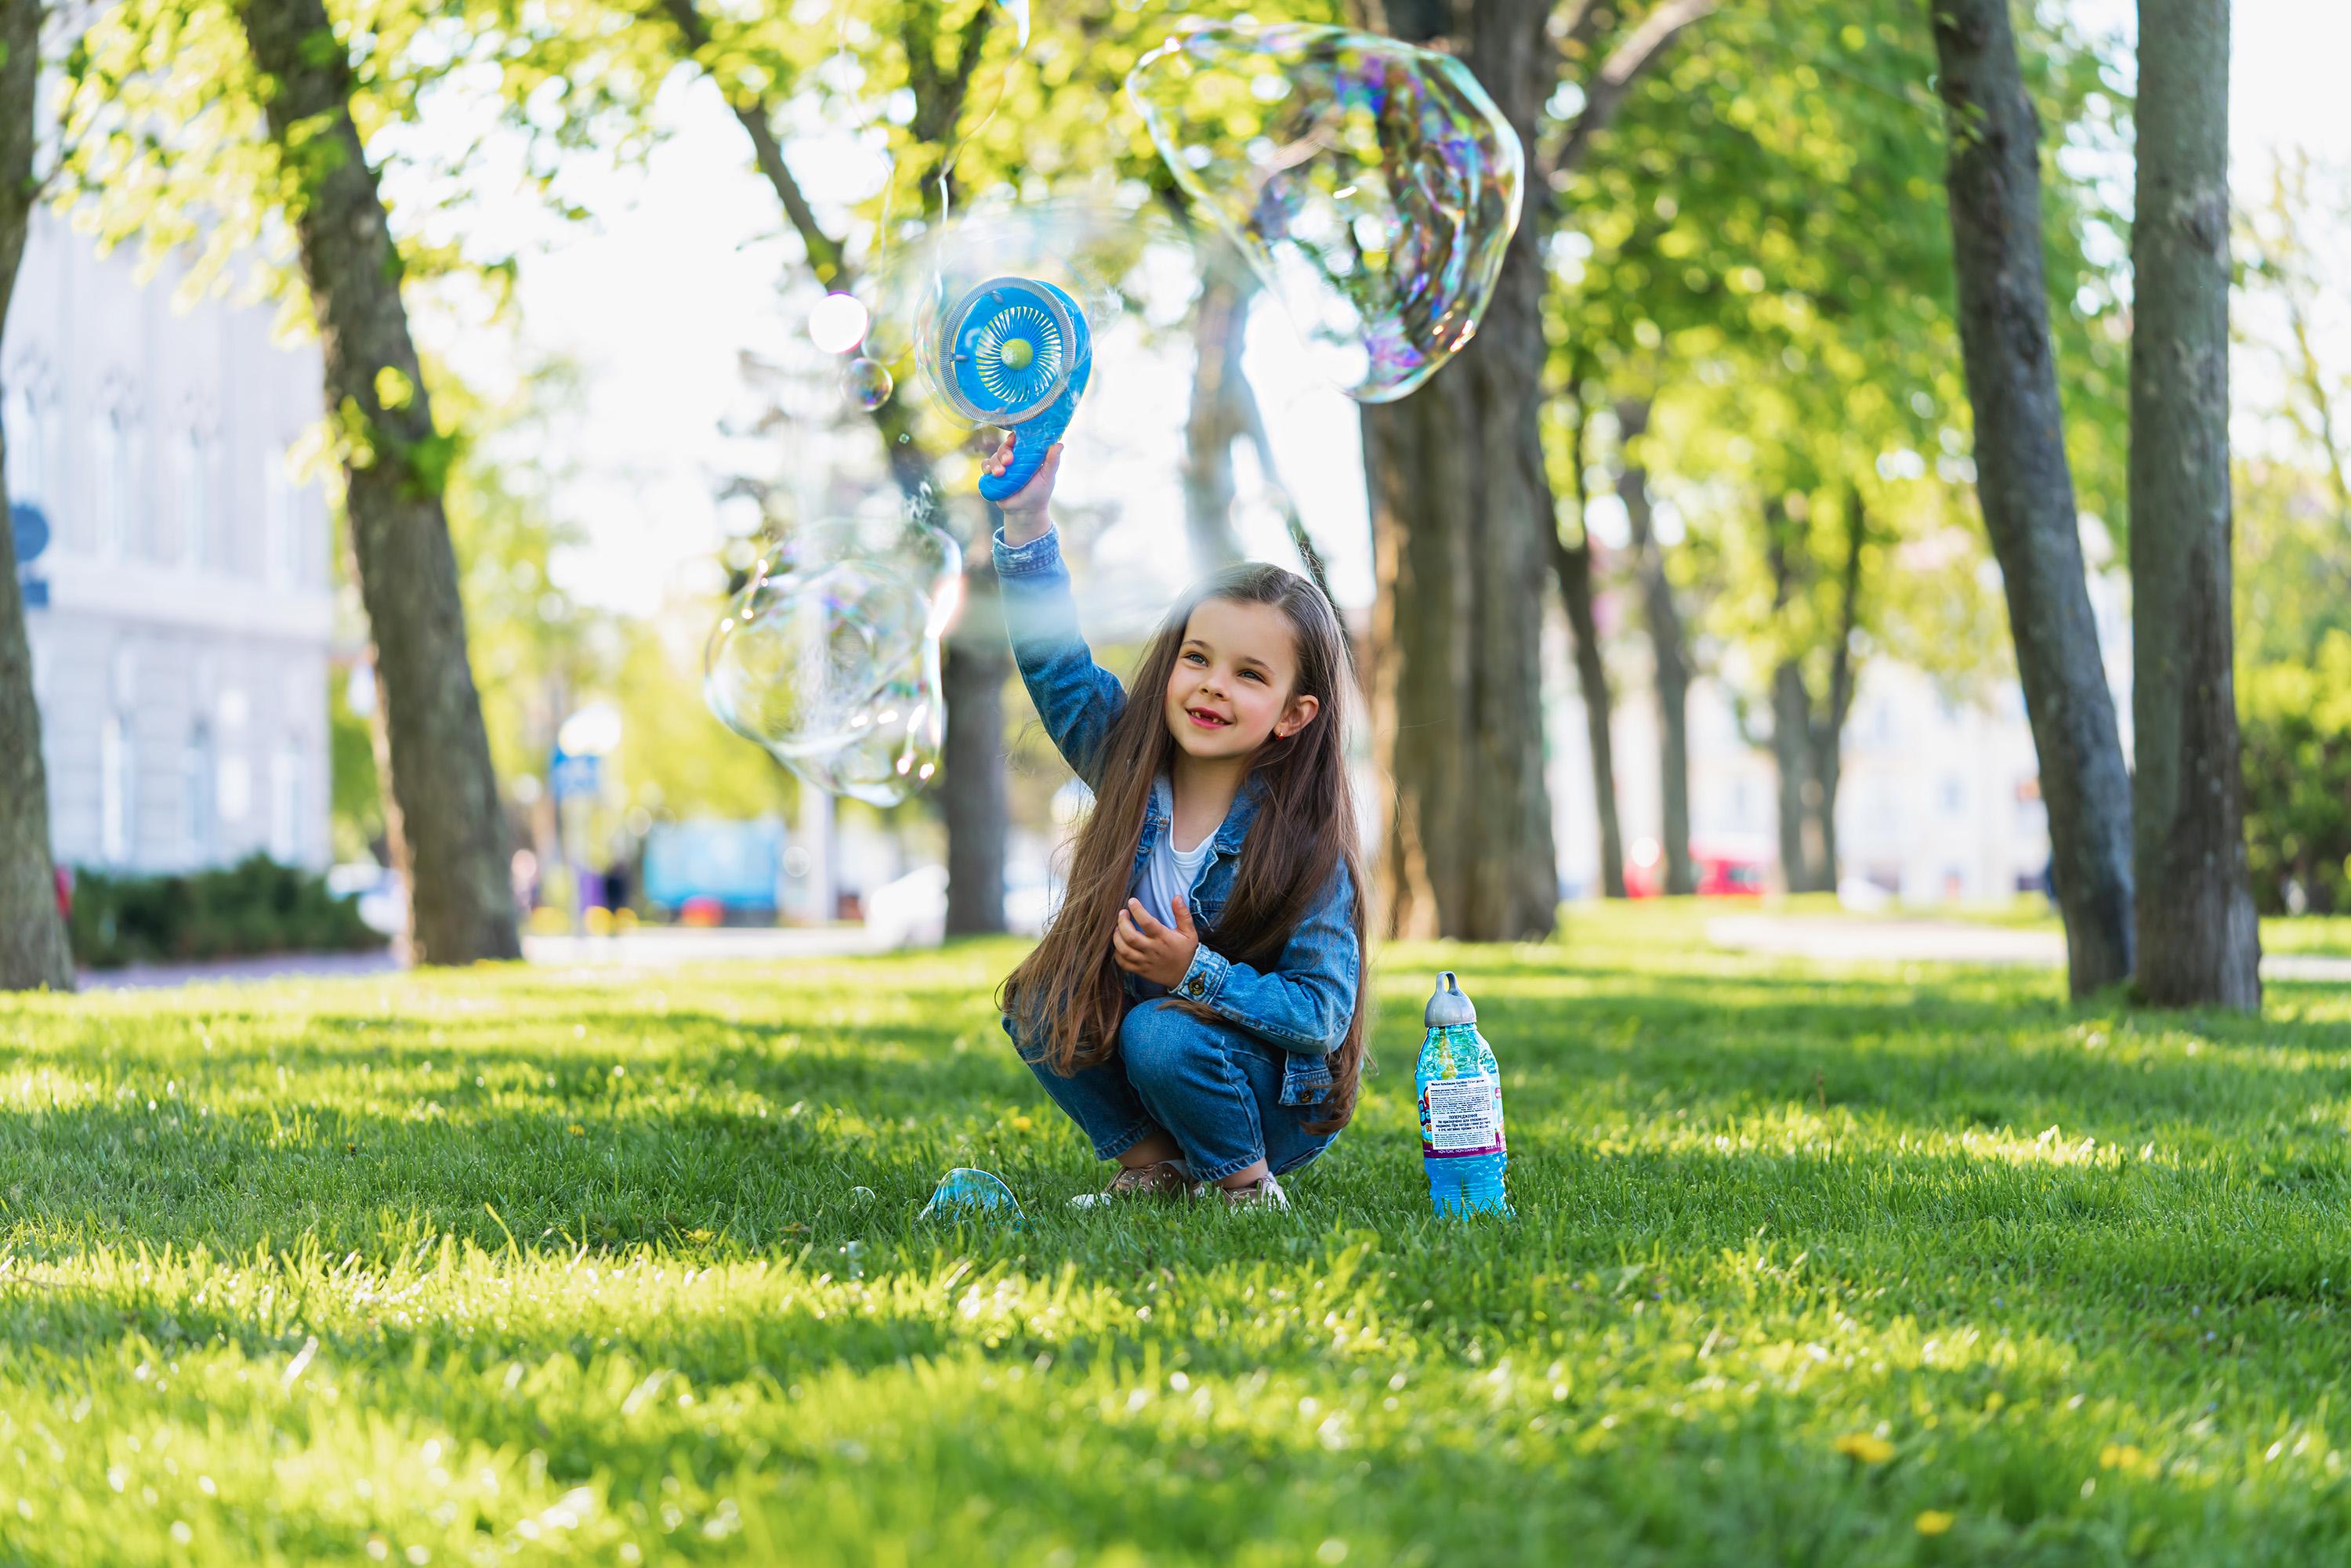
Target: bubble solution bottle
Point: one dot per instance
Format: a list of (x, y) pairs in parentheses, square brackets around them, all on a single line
[(1460, 1093)]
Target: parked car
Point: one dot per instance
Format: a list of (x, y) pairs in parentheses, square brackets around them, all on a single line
[(1726, 867)]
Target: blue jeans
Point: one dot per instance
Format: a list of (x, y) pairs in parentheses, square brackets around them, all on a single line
[(1217, 1089)]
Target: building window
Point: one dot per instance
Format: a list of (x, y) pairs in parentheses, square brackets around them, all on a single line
[(282, 556), (286, 806), (114, 451), (191, 477), (197, 771), (117, 778), (24, 437)]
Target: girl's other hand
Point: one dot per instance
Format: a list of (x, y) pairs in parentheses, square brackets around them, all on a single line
[(1157, 953), (1024, 510)]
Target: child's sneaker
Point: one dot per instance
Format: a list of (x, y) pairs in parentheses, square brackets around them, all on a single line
[(1264, 1193), (1168, 1178)]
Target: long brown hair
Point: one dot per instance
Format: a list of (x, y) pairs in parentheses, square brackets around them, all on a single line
[(1069, 989)]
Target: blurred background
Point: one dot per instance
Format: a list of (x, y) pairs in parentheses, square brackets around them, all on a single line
[(615, 225)]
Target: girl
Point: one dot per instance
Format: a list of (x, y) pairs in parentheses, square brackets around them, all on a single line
[(1198, 1005)]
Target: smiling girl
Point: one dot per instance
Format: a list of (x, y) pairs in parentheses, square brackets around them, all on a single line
[(1197, 1006)]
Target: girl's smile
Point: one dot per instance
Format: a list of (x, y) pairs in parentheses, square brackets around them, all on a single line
[(1230, 689)]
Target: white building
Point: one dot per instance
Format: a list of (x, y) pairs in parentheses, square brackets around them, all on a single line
[(181, 662), (1939, 798)]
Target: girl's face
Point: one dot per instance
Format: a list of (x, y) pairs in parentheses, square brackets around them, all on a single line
[(1233, 682)]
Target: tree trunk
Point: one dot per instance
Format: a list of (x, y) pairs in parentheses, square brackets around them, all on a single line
[(1791, 716), (1216, 422), (2024, 486), (1669, 649), (1462, 506), (1572, 564), (441, 803), (1828, 732), (2199, 943), (977, 662), (33, 949)]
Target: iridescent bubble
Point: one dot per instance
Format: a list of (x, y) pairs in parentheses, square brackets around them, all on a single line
[(1374, 186), (1018, 11), (829, 655), (1099, 253), (868, 383)]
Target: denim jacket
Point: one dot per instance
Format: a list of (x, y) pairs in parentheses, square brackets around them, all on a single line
[(1305, 1003)]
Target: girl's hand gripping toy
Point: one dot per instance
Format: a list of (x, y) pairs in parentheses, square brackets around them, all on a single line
[(1015, 352)]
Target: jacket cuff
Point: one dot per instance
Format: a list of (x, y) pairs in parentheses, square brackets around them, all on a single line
[(1039, 555), (1206, 978)]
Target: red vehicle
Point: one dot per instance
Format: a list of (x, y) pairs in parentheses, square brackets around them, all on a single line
[(1725, 867)]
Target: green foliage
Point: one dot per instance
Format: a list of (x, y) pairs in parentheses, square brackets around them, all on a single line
[(1761, 248), (556, 1268), (255, 906), (2296, 722)]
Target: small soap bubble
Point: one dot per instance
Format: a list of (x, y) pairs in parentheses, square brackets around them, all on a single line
[(860, 1195), (852, 1260), (1372, 186), (838, 322), (868, 383)]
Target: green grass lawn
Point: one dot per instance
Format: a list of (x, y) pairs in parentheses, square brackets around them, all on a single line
[(525, 1266)]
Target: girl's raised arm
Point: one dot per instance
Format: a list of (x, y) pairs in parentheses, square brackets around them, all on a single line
[(1077, 699)]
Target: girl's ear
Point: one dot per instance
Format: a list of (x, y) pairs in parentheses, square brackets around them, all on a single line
[(1300, 714)]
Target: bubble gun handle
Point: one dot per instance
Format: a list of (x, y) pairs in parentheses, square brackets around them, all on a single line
[(1035, 438)]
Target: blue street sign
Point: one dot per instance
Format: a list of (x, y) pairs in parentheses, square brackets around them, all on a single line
[(32, 530), (571, 778)]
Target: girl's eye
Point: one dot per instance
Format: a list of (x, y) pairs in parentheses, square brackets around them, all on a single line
[(1252, 675), (1196, 658)]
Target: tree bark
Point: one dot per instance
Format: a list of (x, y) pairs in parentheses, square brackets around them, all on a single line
[(2024, 485), (976, 663), (1573, 565), (2199, 941), (441, 803), (1792, 718), (1216, 420), (1670, 651), (1828, 730), (33, 949), (1462, 506)]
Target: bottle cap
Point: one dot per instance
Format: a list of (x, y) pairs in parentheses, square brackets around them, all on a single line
[(1449, 1005)]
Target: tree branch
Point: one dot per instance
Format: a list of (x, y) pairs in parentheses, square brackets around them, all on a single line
[(1605, 94), (825, 254)]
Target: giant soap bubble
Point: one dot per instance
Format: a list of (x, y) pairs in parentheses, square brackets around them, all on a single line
[(1099, 253), (1374, 186), (829, 657)]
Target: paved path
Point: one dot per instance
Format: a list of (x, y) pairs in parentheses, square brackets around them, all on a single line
[(244, 971), (1944, 942), (651, 947)]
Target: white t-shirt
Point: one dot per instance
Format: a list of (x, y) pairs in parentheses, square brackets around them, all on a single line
[(1168, 874)]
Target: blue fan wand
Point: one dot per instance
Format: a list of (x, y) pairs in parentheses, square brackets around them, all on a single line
[(1016, 353)]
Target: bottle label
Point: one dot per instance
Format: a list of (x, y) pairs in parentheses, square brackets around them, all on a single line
[(1460, 1116)]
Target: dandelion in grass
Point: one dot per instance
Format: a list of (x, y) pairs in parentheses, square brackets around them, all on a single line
[(1934, 1521), (1865, 1448)]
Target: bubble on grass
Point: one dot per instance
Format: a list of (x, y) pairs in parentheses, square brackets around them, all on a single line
[(868, 383), (964, 1193), (852, 1260), (860, 1195), (1372, 186), (837, 324)]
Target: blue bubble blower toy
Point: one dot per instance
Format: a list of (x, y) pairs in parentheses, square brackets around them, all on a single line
[(1015, 352), (1460, 1093)]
